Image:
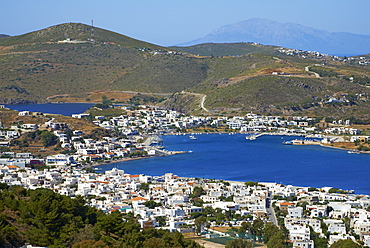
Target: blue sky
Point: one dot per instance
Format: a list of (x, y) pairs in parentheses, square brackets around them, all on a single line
[(170, 22)]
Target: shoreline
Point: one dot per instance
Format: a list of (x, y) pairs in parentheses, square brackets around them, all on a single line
[(117, 161), (239, 181), (171, 153), (346, 149)]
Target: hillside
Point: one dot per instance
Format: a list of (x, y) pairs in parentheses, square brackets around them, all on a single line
[(237, 77), (76, 31), (289, 35), (44, 218), (35, 66), (30, 142), (226, 49)]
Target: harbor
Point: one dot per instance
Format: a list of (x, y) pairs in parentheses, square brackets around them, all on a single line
[(232, 157)]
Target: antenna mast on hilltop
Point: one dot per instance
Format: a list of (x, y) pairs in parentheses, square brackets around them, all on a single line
[(92, 31)]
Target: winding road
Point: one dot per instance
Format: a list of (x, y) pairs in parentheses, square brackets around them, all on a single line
[(307, 69), (202, 104)]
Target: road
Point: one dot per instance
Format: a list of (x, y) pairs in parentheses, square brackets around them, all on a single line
[(307, 69), (202, 103), (270, 210)]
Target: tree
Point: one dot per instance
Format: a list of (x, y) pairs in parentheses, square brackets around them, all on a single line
[(197, 191), (153, 242), (277, 240), (312, 189), (48, 139), (246, 226), (320, 242), (110, 223), (161, 220), (152, 204), (303, 204), (257, 227), (269, 231), (144, 186), (199, 223), (333, 190), (52, 220), (238, 243), (4, 149), (199, 202), (105, 100), (90, 244), (345, 243), (4, 186), (251, 184), (228, 199)]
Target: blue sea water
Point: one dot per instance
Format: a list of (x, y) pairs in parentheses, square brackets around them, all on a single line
[(232, 157), (66, 109)]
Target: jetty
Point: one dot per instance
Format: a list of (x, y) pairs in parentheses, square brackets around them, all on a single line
[(153, 140), (303, 142), (253, 136)]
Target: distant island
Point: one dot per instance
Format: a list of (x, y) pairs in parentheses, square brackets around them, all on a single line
[(290, 35)]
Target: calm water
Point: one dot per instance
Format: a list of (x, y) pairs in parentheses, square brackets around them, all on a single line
[(232, 157), (53, 108)]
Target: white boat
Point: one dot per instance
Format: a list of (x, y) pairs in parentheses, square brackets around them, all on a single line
[(251, 137), (353, 152), (192, 137)]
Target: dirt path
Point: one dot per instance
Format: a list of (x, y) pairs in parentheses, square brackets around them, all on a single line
[(208, 244)]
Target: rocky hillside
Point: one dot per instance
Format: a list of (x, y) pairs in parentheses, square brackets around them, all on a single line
[(72, 62)]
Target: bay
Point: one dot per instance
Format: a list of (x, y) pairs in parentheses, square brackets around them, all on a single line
[(232, 157), (66, 109)]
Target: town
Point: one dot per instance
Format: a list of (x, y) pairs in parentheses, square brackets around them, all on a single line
[(203, 206)]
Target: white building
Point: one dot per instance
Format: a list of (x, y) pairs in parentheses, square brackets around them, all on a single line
[(295, 212), (59, 160)]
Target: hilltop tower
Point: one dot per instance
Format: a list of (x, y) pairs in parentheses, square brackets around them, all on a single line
[(92, 31)]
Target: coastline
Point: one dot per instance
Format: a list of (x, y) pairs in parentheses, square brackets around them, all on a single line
[(346, 149), (117, 161), (197, 168), (170, 153)]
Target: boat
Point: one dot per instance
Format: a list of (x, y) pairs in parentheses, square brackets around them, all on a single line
[(192, 137), (251, 137), (353, 152)]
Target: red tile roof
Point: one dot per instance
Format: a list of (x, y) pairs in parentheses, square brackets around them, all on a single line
[(138, 198), (286, 204)]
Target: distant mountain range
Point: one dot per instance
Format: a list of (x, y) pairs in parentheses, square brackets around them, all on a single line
[(3, 35), (288, 35)]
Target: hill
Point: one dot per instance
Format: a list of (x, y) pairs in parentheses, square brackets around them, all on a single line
[(226, 49), (35, 67), (75, 31), (289, 35), (3, 35), (44, 218)]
